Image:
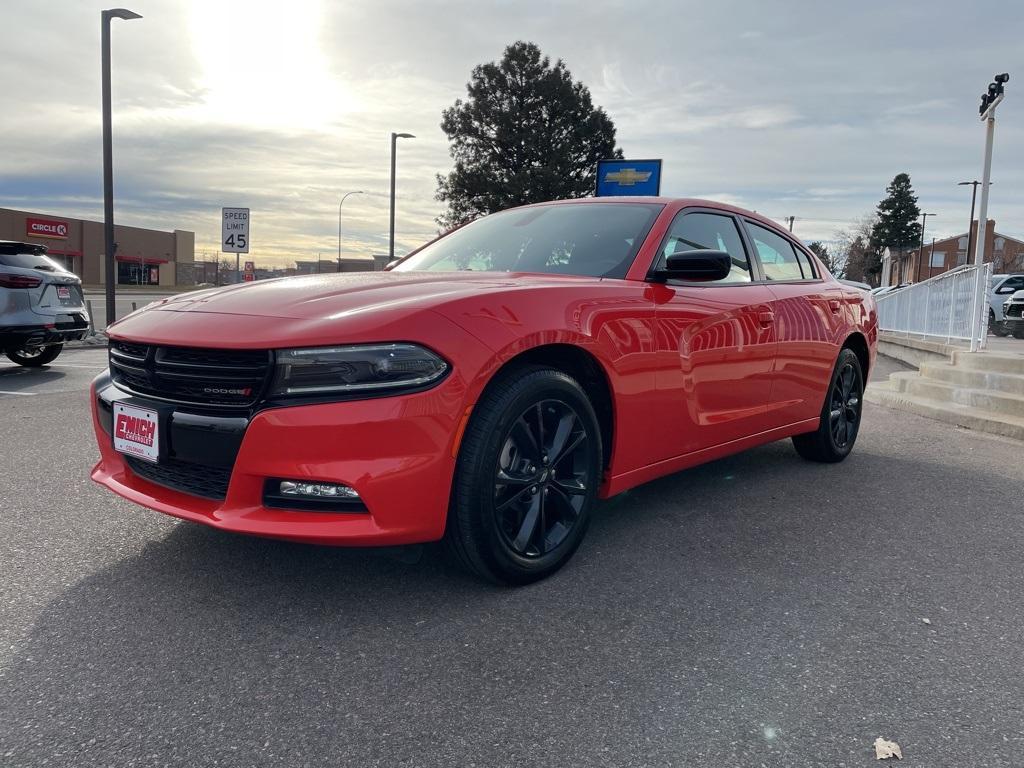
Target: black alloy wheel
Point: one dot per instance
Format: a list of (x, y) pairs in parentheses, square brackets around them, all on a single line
[(542, 478), (527, 477), (845, 406), (839, 423)]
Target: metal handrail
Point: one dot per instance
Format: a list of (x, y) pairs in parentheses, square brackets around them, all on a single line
[(940, 307)]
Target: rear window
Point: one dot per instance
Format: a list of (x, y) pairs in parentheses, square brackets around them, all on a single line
[(30, 261), (584, 239)]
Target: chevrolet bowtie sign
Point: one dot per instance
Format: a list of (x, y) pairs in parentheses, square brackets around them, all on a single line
[(628, 177)]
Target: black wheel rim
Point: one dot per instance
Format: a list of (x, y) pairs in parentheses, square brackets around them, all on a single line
[(844, 406), (542, 478)]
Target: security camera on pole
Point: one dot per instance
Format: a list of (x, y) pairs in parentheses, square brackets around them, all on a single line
[(989, 101)]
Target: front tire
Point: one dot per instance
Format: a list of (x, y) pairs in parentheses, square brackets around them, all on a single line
[(526, 479), (35, 357), (840, 415), (1018, 330)]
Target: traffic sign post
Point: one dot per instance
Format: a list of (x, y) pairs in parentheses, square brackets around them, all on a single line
[(234, 233)]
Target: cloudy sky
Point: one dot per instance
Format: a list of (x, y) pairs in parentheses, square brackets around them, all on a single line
[(790, 108)]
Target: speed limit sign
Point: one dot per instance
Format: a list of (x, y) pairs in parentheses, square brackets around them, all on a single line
[(234, 230)]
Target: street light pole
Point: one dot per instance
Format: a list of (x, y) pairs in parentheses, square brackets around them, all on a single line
[(920, 248), (110, 266), (343, 198), (391, 238), (970, 223), (989, 101)]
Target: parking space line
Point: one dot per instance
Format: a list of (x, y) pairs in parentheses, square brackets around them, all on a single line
[(19, 394)]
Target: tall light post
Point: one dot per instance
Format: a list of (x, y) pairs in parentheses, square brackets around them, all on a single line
[(989, 101), (391, 238), (920, 248), (110, 267), (970, 224), (343, 199)]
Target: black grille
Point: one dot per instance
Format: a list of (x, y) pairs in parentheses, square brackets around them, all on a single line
[(196, 479), (1015, 310), (213, 377)]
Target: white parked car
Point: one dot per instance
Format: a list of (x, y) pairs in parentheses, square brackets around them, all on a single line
[(1013, 315), (1000, 288)]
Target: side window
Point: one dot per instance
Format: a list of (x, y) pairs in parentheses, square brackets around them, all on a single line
[(778, 257), (805, 263), (697, 231), (1012, 284)]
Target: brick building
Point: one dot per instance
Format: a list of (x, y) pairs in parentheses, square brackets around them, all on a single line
[(144, 256), (1005, 252)]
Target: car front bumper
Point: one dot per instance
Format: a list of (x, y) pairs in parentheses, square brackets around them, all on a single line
[(396, 452)]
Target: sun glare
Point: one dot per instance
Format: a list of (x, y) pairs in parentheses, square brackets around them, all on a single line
[(263, 63)]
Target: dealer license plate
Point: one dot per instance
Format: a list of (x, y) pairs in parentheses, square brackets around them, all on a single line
[(63, 292), (136, 432)]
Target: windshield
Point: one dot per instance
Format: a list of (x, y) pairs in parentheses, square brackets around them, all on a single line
[(30, 261), (589, 240)]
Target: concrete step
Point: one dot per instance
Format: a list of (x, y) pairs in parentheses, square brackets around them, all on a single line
[(994, 402), (1011, 383), (993, 362), (949, 412)]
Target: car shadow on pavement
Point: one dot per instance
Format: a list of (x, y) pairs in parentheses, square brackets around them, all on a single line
[(19, 378), (714, 608)]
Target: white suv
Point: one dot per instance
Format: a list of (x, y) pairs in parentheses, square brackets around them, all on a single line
[(41, 305), (1000, 288)]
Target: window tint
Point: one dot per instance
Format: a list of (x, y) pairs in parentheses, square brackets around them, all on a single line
[(586, 239), (697, 231), (778, 257)]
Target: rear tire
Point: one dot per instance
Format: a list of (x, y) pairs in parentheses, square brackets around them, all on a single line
[(29, 359), (840, 414), (998, 328), (526, 479)]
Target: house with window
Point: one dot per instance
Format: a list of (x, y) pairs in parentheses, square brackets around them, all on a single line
[(913, 265)]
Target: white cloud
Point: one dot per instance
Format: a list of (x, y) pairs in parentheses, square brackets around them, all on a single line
[(805, 110)]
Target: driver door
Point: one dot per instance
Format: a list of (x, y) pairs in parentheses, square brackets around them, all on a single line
[(715, 343)]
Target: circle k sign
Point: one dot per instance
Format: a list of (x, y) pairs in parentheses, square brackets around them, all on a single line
[(46, 228)]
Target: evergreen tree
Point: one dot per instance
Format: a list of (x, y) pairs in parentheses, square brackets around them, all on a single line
[(826, 257), (897, 226), (526, 133)]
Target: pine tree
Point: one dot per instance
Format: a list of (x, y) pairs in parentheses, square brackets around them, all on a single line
[(825, 256), (526, 133), (897, 226)]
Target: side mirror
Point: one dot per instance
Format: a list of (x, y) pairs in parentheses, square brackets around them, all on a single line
[(701, 265), (1004, 289)]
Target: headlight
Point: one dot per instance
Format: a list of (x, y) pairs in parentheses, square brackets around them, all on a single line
[(362, 368)]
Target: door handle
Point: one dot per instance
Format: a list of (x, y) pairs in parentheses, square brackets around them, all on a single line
[(765, 318), (834, 305)]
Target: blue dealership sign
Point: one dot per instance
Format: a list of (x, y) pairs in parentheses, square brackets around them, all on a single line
[(628, 177)]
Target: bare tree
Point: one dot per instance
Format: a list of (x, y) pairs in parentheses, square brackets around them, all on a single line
[(853, 255)]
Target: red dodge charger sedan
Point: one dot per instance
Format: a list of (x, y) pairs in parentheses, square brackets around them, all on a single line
[(491, 386)]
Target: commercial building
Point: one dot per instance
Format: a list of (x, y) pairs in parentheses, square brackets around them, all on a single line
[(912, 266), (143, 257)]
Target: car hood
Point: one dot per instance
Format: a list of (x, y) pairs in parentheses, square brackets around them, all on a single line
[(337, 296)]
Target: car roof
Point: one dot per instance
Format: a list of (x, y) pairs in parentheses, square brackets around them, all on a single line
[(681, 202), (16, 246)]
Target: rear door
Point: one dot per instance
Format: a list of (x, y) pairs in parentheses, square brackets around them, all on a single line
[(714, 345), (809, 318)]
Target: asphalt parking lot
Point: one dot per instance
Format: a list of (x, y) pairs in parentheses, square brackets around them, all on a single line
[(759, 610)]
